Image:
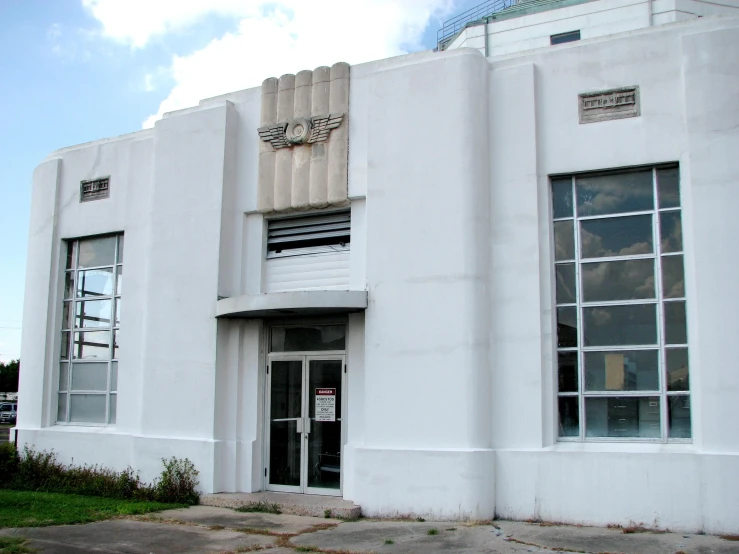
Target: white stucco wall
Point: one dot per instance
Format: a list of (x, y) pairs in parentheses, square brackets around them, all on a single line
[(451, 392), (686, 75)]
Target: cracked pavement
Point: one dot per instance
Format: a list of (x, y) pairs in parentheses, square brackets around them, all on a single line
[(221, 530)]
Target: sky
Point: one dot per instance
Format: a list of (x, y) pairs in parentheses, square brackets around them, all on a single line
[(72, 71)]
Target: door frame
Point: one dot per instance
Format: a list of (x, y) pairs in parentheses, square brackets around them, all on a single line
[(305, 357)]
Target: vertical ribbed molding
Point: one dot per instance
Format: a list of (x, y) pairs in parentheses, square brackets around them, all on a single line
[(267, 154), (319, 151), (284, 160), (301, 156), (309, 175), (338, 141)]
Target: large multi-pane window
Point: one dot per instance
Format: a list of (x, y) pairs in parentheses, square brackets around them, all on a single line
[(622, 344), (88, 369)]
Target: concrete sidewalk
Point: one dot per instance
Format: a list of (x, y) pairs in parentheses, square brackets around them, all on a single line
[(209, 529)]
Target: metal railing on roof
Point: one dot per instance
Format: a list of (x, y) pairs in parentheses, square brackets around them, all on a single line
[(454, 25)]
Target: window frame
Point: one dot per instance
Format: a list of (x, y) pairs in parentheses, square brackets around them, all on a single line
[(70, 329), (659, 301), (564, 38)]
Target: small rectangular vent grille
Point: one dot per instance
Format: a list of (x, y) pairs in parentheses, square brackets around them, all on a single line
[(312, 234), (95, 189)]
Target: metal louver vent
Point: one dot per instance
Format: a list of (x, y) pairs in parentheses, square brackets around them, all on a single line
[(308, 234)]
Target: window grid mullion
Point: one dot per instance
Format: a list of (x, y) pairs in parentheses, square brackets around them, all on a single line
[(615, 258), (615, 215), (657, 234), (73, 316), (607, 303), (578, 319)]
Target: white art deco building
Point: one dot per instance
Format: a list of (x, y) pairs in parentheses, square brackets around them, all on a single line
[(496, 279)]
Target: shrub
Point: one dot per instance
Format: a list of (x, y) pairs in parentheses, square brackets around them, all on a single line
[(8, 462), (178, 482), (42, 471)]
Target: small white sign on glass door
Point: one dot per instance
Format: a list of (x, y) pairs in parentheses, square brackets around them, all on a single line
[(325, 404)]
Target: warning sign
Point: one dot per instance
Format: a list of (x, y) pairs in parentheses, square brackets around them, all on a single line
[(325, 404)]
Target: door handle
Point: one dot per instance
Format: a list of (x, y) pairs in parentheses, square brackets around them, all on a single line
[(307, 425), (299, 421)]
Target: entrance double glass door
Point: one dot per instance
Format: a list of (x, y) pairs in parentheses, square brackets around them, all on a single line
[(304, 428)]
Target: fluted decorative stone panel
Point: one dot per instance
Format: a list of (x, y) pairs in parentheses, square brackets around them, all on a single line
[(304, 147)]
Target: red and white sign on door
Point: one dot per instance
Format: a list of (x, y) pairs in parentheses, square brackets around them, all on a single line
[(325, 404)]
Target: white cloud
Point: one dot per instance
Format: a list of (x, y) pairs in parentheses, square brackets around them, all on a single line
[(272, 37)]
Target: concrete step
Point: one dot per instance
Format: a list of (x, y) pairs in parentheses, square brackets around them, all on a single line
[(295, 504)]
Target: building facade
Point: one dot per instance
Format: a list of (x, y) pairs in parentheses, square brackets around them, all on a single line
[(442, 284)]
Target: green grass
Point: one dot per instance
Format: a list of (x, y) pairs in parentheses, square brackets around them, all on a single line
[(15, 545), (39, 509), (433, 531)]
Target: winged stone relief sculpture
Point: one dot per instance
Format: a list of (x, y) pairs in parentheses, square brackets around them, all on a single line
[(300, 130)]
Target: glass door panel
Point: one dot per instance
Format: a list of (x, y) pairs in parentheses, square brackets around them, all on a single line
[(286, 419), (324, 411), (305, 418), (284, 453)]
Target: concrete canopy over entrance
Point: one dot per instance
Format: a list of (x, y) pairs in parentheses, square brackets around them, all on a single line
[(311, 302)]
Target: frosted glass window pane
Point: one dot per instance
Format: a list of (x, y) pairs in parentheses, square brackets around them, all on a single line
[(97, 252), (61, 410), (114, 377), (562, 197), (120, 249), (66, 319), (671, 232), (569, 416), (117, 312), (64, 348), (627, 280), (63, 376), (673, 277), (679, 414), (119, 280), (615, 193), (69, 284), (676, 331), (90, 345), (567, 327), (116, 338), (87, 408), (616, 236), (93, 313), (622, 417), (95, 282), (668, 187), (678, 374), (620, 325), (567, 362), (70, 255), (621, 370), (113, 406), (564, 240), (92, 376), (565, 283)]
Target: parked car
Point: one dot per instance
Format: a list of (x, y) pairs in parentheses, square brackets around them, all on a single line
[(8, 412)]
